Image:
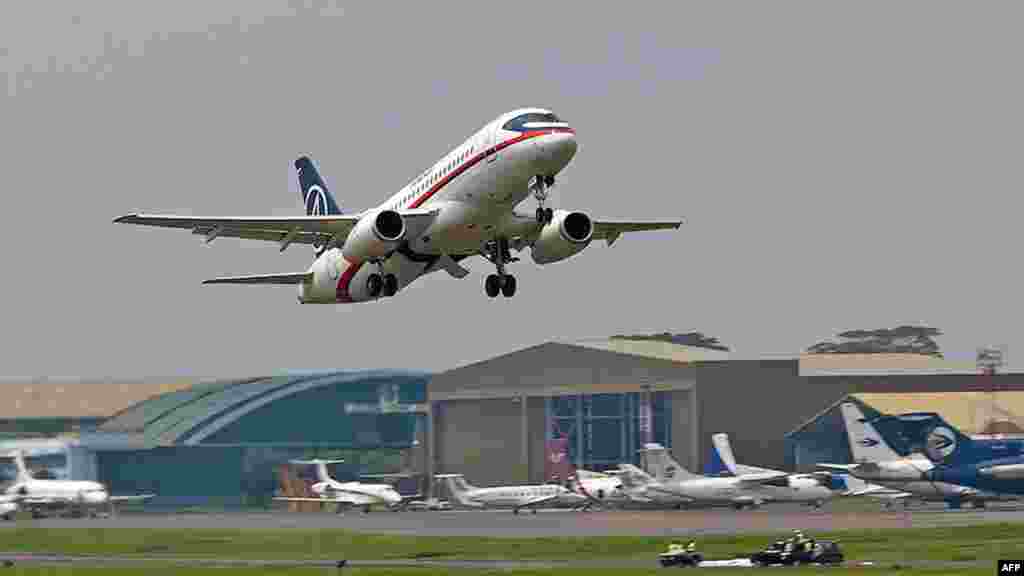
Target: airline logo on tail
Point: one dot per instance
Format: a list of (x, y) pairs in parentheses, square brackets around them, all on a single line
[(941, 442)]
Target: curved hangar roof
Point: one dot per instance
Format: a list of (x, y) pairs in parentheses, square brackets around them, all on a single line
[(300, 409)]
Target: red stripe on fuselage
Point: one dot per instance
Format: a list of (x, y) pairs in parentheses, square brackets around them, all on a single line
[(343, 293), (475, 159)]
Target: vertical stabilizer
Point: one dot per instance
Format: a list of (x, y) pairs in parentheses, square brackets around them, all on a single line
[(722, 462), (866, 444), (657, 462), (322, 474), (633, 477), (315, 195), (23, 475), (458, 489)]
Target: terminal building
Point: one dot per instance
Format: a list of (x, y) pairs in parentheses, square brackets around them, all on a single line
[(498, 421)]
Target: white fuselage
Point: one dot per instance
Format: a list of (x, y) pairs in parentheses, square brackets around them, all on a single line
[(520, 496), (60, 492), (357, 493), (731, 490), (474, 188), (908, 475)]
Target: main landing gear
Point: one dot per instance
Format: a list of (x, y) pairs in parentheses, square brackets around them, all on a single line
[(379, 283), (497, 252), (540, 185)]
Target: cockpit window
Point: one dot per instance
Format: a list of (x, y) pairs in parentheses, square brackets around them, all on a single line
[(516, 124)]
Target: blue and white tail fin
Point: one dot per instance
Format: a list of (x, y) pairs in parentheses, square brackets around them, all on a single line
[(866, 443), (720, 462), (316, 198), (315, 195), (940, 441)]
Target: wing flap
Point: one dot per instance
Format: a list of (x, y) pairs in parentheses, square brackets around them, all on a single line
[(287, 279)]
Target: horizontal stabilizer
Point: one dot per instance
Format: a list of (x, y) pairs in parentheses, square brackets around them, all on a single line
[(287, 279)]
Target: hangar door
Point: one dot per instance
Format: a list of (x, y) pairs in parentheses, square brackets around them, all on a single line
[(604, 430)]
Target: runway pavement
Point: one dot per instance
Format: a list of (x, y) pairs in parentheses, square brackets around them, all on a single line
[(770, 519)]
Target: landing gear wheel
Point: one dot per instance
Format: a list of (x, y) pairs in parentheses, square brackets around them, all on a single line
[(541, 215), (508, 287), (374, 284), (549, 214), (492, 285), (390, 285), (515, 511)]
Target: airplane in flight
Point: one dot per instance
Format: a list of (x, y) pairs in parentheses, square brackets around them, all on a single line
[(462, 206), (909, 476), (40, 496), (348, 494), (517, 498)]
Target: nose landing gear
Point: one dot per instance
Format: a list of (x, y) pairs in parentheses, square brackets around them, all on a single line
[(540, 185), (497, 252), (378, 283)]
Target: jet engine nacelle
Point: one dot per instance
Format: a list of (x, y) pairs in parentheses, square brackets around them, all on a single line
[(567, 234), (375, 235)]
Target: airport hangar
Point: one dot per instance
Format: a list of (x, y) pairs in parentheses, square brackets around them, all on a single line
[(223, 441)]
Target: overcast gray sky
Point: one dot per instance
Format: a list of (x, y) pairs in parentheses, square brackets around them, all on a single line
[(839, 165)]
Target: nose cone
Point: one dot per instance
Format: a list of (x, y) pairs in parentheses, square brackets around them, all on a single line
[(558, 149)]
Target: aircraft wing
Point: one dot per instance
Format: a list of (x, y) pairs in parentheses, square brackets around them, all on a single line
[(131, 497), (880, 491), (279, 279), (838, 467), (610, 230), (762, 477), (284, 230)]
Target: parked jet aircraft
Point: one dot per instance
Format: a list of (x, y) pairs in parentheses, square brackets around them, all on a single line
[(642, 489), (814, 488), (461, 206), (347, 494), (990, 467), (42, 496), (908, 476), (514, 497), (752, 489)]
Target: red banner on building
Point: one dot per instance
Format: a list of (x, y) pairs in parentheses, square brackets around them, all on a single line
[(556, 459)]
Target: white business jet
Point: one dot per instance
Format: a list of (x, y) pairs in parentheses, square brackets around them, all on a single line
[(462, 206), (346, 494), (515, 497), (40, 496)]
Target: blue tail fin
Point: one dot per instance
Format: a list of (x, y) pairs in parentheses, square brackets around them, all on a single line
[(317, 199), (929, 433), (715, 465)]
